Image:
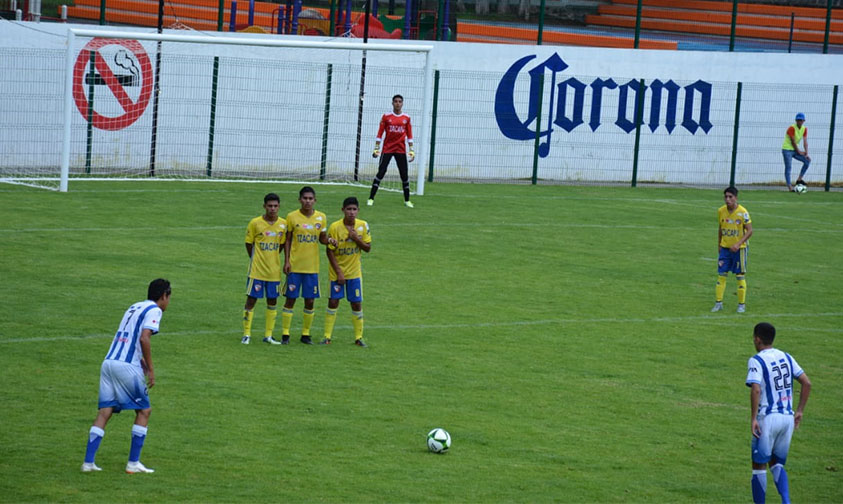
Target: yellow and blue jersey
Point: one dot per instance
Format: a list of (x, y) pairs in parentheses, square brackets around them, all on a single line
[(267, 240), (347, 252), (732, 225), (304, 232)]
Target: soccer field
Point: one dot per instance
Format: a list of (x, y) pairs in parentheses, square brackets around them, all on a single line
[(562, 335)]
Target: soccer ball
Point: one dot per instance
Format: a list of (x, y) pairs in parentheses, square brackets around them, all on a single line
[(800, 188), (438, 440)]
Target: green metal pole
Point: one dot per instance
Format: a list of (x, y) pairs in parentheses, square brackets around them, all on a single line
[(541, 23), (440, 20), (210, 160), (333, 27), (734, 25), (325, 120), (433, 126), (827, 26), (92, 75), (735, 135), (831, 139), (220, 15), (639, 119), (538, 131), (102, 12), (637, 24)]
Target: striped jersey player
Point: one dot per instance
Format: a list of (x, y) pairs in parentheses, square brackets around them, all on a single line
[(127, 373), (770, 376)]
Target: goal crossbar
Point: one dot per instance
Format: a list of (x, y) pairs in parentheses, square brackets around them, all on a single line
[(72, 33)]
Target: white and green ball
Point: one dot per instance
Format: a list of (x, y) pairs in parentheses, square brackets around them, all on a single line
[(800, 188), (438, 440)]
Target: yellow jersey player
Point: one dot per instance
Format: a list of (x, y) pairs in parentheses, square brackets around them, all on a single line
[(306, 229), (265, 236), (733, 232), (352, 237)]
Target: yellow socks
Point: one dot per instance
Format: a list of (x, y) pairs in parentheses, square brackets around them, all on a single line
[(307, 321), (741, 290), (286, 321), (271, 313), (357, 322), (330, 320), (721, 288), (247, 322)]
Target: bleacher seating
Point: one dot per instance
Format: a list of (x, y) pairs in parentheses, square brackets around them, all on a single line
[(705, 17)]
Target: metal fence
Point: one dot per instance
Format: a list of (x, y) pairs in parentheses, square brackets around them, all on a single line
[(804, 26)]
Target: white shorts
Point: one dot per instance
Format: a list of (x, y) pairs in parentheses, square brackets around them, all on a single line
[(776, 431), (122, 386)]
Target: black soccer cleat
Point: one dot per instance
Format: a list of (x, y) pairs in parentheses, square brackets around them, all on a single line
[(306, 340)]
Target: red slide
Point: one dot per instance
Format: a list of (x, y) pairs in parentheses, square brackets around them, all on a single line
[(375, 29)]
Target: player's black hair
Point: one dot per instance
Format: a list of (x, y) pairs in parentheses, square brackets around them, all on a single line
[(351, 200), (397, 96), (765, 332), (731, 190), (157, 289), (271, 197), (307, 189)]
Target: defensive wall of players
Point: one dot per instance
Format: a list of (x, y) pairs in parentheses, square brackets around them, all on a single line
[(696, 117)]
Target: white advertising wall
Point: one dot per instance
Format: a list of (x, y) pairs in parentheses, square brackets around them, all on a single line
[(270, 109)]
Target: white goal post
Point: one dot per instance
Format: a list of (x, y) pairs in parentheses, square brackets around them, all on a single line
[(388, 77)]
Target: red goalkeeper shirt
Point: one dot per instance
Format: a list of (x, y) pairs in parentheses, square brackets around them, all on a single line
[(394, 129)]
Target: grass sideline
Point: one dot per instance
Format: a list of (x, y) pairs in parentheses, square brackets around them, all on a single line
[(561, 335)]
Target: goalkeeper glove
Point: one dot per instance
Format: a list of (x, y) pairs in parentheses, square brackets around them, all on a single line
[(376, 152), (412, 155)]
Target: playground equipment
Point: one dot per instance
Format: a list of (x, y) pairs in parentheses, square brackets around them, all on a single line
[(290, 18)]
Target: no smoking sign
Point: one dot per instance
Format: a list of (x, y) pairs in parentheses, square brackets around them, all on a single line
[(122, 74)]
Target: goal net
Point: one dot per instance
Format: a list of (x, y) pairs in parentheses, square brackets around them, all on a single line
[(239, 108)]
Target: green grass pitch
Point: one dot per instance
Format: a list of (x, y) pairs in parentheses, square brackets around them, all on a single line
[(562, 335)]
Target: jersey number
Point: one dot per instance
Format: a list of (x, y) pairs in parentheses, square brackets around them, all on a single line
[(129, 318), (781, 376)]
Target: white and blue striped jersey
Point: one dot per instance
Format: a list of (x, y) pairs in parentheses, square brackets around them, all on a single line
[(774, 371), (126, 345)]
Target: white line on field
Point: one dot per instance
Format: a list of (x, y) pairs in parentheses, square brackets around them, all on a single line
[(561, 225), (716, 319)]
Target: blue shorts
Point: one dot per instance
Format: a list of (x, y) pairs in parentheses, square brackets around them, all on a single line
[(352, 290), (304, 284), (122, 386), (258, 288), (732, 261)]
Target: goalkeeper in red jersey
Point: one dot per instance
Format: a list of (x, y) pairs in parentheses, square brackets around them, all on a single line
[(394, 129)]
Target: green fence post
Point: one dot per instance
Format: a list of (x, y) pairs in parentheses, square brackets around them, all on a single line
[(735, 135), (325, 120), (332, 26), (433, 126), (639, 119), (734, 25), (102, 12), (440, 20), (220, 15), (538, 131), (637, 24), (92, 75), (827, 27), (210, 159), (831, 139), (541, 23)]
